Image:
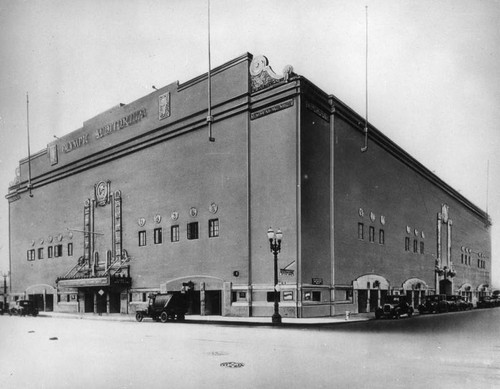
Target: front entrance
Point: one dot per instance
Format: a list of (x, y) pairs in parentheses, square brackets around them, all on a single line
[(445, 287), (43, 302), (213, 302)]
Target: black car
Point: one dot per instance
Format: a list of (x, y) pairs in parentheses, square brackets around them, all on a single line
[(394, 307), (434, 303), (485, 302), (165, 307), (24, 308), (457, 303)]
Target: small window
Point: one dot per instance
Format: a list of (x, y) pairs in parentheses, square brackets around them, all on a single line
[(30, 255), (70, 249), (372, 234), (58, 250), (50, 252), (40, 253), (361, 234), (381, 237), (158, 237), (415, 246), (142, 238), (407, 244), (421, 247), (192, 231), (174, 233), (213, 228), (316, 296), (270, 297)]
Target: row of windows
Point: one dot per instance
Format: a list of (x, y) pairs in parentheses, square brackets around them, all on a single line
[(192, 232), (465, 259), (52, 251), (481, 263), (417, 248), (371, 234)]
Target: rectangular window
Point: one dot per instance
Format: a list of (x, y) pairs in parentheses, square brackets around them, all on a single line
[(415, 246), (407, 244), (30, 255), (158, 238), (361, 233), (192, 231), (462, 258), (40, 253), (372, 234), (70, 249), (50, 251), (142, 238), (270, 297), (174, 233), (213, 228), (381, 237), (58, 250), (316, 296), (421, 247)]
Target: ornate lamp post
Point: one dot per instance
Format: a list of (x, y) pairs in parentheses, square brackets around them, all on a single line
[(5, 275), (275, 245)]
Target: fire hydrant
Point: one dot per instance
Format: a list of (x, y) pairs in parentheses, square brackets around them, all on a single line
[(347, 315)]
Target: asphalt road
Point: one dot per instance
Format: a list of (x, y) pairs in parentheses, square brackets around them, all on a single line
[(453, 350)]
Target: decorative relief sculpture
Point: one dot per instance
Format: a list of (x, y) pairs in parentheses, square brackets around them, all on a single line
[(262, 76)]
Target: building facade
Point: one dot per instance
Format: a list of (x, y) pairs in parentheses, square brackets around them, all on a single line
[(139, 200)]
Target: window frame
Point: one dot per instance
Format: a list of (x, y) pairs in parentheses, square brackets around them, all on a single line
[(213, 228), (193, 231), (158, 235), (174, 233), (142, 238), (361, 231)]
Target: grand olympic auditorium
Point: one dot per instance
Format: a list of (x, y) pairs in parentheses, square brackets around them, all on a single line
[(176, 192)]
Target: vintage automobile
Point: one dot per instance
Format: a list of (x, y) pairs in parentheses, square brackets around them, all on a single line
[(24, 308), (458, 303), (485, 302), (434, 303), (394, 307), (165, 307), (495, 299)]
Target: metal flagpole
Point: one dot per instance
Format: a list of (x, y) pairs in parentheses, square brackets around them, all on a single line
[(29, 152), (210, 118), (365, 147)]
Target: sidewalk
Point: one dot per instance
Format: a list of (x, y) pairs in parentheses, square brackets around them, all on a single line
[(310, 321)]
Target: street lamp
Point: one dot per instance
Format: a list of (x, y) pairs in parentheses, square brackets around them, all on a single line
[(275, 245), (5, 275)]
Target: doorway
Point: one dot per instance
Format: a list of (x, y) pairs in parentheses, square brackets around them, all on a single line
[(213, 302)]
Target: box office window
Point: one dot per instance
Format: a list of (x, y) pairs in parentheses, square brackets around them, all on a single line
[(158, 236), (70, 249), (192, 231), (58, 250), (213, 228), (40, 253), (142, 238), (30, 255), (174, 233), (50, 252)]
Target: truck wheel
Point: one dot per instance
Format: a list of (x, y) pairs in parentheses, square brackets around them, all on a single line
[(164, 317), (139, 316)]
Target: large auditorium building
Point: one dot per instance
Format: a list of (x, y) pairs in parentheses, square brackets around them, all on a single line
[(139, 200)]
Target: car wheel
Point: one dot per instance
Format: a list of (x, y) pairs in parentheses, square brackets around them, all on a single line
[(139, 316), (164, 317)]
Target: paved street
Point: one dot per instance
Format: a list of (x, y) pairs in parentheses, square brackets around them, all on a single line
[(454, 350)]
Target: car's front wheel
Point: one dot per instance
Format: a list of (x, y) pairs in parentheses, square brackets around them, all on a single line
[(164, 317), (139, 316)]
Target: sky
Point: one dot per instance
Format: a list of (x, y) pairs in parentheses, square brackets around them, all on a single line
[(433, 71)]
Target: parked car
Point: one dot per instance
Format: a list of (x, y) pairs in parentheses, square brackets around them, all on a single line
[(165, 307), (394, 307), (24, 308), (457, 303), (495, 300), (485, 302), (434, 303)]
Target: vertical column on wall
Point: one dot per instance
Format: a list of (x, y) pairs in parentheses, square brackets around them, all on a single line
[(448, 250), (86, 233), (438, 254), (92, 235), (117, 222), (298, 205), (332, 205), (202, 298)]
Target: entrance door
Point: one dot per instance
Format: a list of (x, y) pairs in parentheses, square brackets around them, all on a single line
[(373, 300), (362, 300), (445, 287), (213, 302), (89, 302), (114, 302)]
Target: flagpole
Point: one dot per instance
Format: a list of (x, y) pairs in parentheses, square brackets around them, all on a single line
[(210, 118), (29, 152), (365, 147)]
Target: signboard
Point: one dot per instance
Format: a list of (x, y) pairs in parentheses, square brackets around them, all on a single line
[(286, 272), (317, 281)]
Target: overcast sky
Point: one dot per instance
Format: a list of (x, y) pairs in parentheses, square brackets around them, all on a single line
[(433, 78)]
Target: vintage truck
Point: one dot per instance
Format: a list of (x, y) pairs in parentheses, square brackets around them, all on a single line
[(165, 307)]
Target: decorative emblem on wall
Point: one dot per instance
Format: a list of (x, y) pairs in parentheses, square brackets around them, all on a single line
[(193, 212), (164, 106), (158, 218), (372, 216), (382, 220), (445, 212), (141, 221), (361, 212), (262, 76), (60, 237), (101, 190), (41, 241), (32, 242), (50, 239), (70, 235), (422, 235), (174, 215), (416, 232), (213, 208), (408, 229)]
